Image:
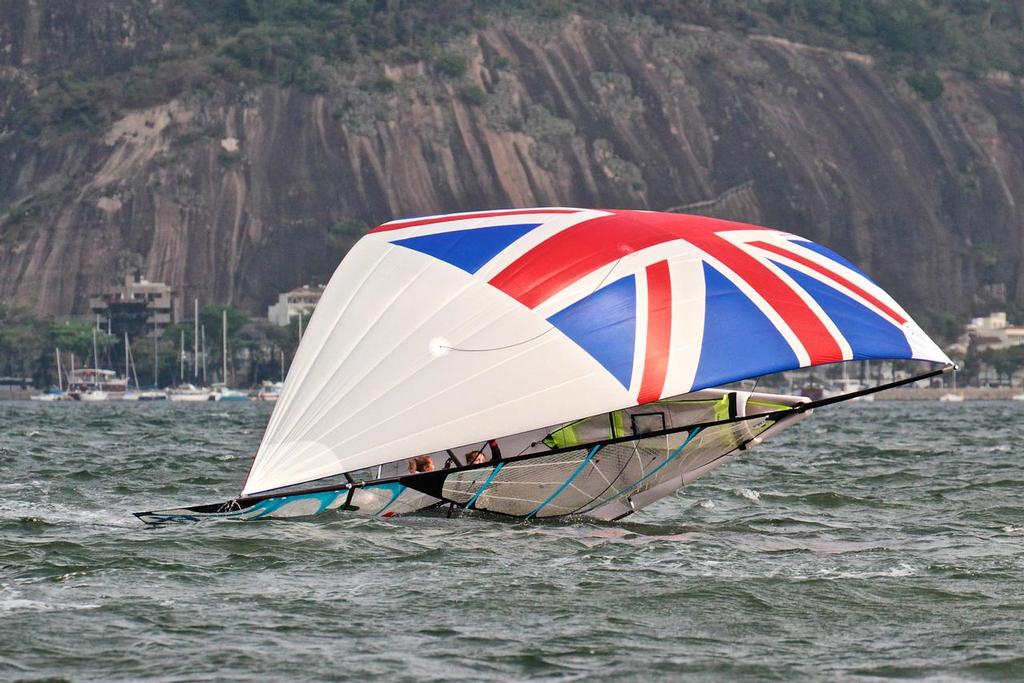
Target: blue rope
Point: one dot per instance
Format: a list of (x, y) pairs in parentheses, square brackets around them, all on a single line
[(590, 455)]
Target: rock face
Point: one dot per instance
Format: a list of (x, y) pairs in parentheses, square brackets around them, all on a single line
[(237, 193)]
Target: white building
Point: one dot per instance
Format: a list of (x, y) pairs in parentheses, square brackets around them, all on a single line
[(993, 332), (301, 300)]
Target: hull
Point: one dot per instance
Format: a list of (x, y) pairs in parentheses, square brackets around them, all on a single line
[(604, 480), (373, 500), (191, 397), (94, 396), (48, 397), (152, 396)]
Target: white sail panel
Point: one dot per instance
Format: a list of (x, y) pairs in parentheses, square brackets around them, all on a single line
[(384, 385)]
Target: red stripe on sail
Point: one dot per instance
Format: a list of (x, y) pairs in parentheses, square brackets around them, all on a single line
[(482, 214), (809, 329), (572, 254), (659, 332), (835, 277), (583, 248)]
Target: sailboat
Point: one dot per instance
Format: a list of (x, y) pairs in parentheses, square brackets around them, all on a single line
[(186, 391), (953, 396), (551, 362), (95, 384), (221, 390), (54, 394)]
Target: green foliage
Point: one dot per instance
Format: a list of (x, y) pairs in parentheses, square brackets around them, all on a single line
[(451, 65), (346, 228), (211, 317), (969, 35), (382, 85), (302, 44), (927, 84), (1005, 361), (228, 159), (27, 343), (472, 95), (16, 214)]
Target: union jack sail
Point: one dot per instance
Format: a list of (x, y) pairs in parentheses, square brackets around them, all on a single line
[(448, 330)]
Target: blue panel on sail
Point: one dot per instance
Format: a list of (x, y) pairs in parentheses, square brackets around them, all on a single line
[(739, 340), (869, 334), (467, 249), (604, 325)]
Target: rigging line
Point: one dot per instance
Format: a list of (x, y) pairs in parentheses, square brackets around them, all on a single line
[(774, 415), (541, 334), (614, 479), (483, 486), (635, 485), (565, 484)]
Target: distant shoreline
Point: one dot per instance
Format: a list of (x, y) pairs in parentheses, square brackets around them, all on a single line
[(900, 394), (934, 394)]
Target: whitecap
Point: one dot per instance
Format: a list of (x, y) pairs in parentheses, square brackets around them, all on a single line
[(749, 494)]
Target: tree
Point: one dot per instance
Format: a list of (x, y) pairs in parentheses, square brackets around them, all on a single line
[(1006, 362)]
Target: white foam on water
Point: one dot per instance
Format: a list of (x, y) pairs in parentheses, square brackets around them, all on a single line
[(52, 513), (749, 494), (11, 601), (901, 570), (707, 504)]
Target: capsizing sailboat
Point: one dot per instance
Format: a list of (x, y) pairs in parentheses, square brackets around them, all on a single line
[(547, 362)]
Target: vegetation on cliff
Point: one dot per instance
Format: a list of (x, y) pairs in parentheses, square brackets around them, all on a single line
[(293, 43), (236, 149)]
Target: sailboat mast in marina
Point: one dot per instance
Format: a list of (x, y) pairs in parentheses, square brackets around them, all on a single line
[(224, 344), (195, 343)]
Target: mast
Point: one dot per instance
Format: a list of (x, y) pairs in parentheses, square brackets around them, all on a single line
[(156, 356), (195, 342), (203, 328), (95, 352), (224, 343), (60, 380), (181, 349), (129, 361)]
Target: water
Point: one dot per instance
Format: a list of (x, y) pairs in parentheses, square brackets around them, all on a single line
[(883, 540)]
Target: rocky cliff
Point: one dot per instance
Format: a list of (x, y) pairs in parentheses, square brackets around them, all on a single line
[(236, 192)]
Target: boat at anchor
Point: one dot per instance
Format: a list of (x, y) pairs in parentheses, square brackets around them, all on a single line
[(550, 362)]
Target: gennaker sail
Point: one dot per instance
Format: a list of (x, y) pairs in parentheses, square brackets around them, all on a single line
[(580, 352)]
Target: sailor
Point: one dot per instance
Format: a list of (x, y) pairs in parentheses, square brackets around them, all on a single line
[(421, 463), (475, 458), (478, 457)]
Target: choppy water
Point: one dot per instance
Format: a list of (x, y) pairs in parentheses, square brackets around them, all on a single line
[(884, 540)]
